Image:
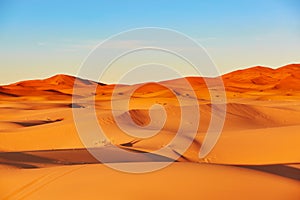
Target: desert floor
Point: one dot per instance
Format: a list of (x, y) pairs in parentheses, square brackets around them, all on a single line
[(257, 155)]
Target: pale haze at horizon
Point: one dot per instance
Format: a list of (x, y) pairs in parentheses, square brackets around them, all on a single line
[(43, 38)]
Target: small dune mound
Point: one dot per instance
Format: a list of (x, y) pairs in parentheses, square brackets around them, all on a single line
[(150, 88), (66, 80), (292, 68), (57, 81), (182, 82), (61, 80), (59, 87), (264, 80), (246, 74), (289, 83), (139, 117)]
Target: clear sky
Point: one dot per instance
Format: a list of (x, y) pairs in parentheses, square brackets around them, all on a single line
[(42, 38)]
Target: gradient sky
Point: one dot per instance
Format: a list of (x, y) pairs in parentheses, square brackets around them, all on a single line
[(42, 38)]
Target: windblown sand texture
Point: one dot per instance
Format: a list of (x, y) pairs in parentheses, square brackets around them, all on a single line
[(256, 157)]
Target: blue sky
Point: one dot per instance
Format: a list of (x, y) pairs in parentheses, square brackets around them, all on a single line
[(43, 38)]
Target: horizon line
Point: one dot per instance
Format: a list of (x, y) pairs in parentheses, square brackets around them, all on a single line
[(189, 76)]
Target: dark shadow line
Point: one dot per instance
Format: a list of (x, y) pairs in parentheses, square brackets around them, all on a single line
[(280, 170)]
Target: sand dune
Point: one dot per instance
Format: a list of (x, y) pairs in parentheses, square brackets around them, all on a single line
[(256, 157), (192, 181)]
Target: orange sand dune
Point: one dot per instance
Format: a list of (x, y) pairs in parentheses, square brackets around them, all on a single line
[(41, 151), (178, 181)]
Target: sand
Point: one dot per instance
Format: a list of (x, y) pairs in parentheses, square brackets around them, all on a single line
[(178, 181), (256, 157)]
